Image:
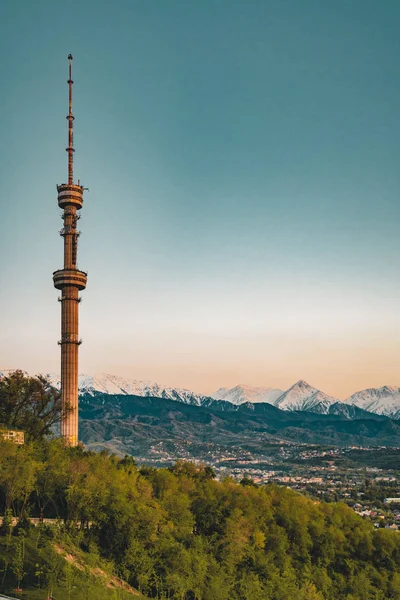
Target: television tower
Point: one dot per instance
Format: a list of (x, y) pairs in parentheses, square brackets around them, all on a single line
[(70, 280)]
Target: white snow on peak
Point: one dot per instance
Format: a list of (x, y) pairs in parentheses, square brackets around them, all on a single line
[(302, 396), (382, 401), (240, 394), (106, 383)]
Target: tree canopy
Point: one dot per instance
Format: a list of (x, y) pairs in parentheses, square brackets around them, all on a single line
[(178, 533), (29, 403)]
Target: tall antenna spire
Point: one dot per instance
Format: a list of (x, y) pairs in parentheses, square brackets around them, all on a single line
[(70, 118)]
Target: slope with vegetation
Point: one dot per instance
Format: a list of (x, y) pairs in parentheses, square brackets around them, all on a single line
[(178, 533), (46, 561)]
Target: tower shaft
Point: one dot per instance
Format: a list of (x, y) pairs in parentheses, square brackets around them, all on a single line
[(69, 365), (70, 280)]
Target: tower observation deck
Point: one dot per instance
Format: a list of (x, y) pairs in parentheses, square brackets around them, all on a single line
[(70, 280)]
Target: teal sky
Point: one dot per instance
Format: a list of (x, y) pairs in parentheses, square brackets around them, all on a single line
[(242, 223)]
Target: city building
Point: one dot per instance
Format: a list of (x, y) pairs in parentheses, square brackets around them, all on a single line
[(13, 436)]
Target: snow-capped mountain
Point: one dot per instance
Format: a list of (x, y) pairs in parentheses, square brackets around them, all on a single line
[(381, 401), (302, 396), (105, 383), (240, 394)]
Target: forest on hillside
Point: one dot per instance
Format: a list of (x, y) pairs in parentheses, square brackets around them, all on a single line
[(180, 534), (174, 533)]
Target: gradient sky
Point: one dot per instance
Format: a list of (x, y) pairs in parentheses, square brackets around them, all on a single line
[(243, 160)]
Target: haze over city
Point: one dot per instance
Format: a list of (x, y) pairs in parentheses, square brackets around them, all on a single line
[(242, 159)]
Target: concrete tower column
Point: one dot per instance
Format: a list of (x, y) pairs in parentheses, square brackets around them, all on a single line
[(70, 280)]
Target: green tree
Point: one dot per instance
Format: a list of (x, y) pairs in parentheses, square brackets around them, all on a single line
[(18, 469), (70, 578), (6, 527), (53, 570), (17, 563), (29, 403), (247, 481), (39, 573), (52, 478)]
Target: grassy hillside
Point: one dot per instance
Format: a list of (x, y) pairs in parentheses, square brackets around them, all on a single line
[(52, 563)]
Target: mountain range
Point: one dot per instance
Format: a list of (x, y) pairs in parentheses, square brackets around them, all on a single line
[(162, 429), (302, 396), (299, 397)]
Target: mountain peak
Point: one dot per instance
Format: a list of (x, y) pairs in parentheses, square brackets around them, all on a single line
[(382, 401), (301, 384), (243, 393), (302, 396)]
